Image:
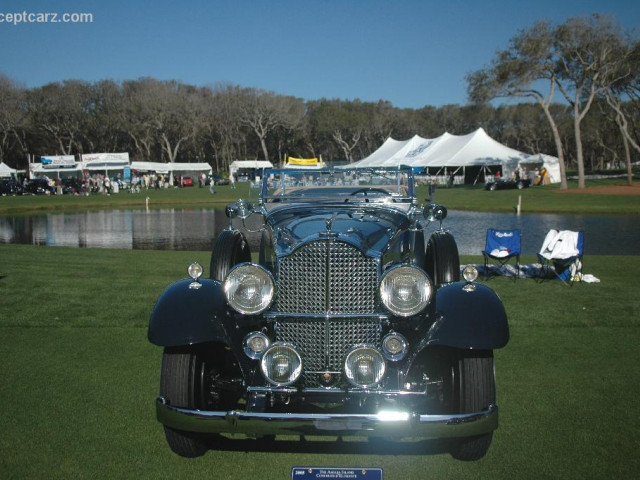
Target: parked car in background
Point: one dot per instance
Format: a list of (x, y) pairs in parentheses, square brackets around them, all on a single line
[(218, 179), (186, 181), (39, 186), (10, 187), (508, 183), (346, 325)]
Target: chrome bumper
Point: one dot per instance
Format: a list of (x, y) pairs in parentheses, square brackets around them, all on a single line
[(396, 424)]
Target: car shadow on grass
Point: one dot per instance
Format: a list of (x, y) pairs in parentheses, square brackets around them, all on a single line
[(331, 445)]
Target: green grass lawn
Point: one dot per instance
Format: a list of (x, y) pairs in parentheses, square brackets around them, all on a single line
[(547, 199), (78, 379)]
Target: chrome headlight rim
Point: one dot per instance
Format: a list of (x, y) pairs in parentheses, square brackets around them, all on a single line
[(387, 297), (265, 357), (250, 352), (382, 365), (230, 291)]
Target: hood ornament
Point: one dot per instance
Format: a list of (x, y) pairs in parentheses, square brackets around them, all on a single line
[(328, 223)]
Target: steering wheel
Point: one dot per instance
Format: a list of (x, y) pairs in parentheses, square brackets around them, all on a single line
[(367, 190)]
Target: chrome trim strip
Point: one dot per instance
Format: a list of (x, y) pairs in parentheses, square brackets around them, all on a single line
[(396, 424), (352, 392)]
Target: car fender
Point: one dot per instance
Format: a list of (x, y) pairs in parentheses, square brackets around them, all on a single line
[(184, 315), (472, 317)]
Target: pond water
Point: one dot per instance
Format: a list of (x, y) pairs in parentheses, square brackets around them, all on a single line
[(194, 229)]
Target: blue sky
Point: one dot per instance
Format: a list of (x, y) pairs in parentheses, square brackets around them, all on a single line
[(411, 53)]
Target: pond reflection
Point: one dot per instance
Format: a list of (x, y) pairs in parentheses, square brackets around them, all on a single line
[(194, 229)]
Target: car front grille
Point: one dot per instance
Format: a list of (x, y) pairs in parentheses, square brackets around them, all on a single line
[(327, 276), (324, 343)]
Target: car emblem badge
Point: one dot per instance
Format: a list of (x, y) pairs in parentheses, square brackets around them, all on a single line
[(326, 378)]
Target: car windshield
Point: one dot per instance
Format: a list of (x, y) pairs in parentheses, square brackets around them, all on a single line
[(341, 185)]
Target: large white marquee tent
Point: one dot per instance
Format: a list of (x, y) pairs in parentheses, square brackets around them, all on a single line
[(449, 153)]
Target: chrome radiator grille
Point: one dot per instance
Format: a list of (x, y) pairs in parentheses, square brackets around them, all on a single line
[(323, 343), (327, 276)]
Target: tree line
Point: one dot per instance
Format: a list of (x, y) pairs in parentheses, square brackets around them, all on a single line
[(590, 62)]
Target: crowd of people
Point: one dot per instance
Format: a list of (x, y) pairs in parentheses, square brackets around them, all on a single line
[(99, 183)]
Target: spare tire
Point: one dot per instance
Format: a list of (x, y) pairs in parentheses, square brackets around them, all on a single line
[(419, 249), (229, 249), (442, 262)]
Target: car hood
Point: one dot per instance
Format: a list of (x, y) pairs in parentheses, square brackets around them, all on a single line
[(370, 229)]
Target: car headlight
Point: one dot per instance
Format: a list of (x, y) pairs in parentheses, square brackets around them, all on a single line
[(249, 289), (364, 366), (280, 364), (405, 290)]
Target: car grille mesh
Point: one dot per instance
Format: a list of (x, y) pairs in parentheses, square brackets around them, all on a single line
[(327, 276), (323, 343)]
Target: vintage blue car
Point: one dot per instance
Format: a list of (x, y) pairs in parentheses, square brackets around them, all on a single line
[(350, 320)]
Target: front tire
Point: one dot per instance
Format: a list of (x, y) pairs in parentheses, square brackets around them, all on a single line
[(177, 385), (203, 377), (475, 391)]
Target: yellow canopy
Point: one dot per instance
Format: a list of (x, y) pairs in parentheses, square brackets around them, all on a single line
[(302, 161)]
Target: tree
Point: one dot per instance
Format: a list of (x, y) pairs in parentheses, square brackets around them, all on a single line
[(591, 54), (263, 112), (136, 116), (61, 111), (517, 72), (12, 118), (340, 121), (581, 59), (627, 86)]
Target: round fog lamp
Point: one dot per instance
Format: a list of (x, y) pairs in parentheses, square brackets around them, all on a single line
[(254, 344), (394, 346), (364, 366), (280, 364)]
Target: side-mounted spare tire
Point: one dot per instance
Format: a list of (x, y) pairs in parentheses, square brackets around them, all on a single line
[(442, 259), (229, 249), (419, 254)]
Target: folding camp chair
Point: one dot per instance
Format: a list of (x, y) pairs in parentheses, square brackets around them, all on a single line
[(501, 246), (561, 255)]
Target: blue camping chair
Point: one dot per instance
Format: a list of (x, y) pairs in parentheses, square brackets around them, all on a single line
[(501, 246), (561, 255)]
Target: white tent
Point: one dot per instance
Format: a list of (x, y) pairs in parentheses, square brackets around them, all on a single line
[(158, 167), (192, 167), (162, 167), (6, 170), (248, 164), (451, 153), (39, 170), (105, 161)]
